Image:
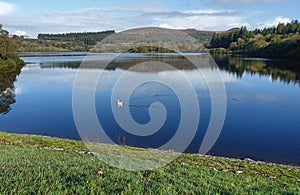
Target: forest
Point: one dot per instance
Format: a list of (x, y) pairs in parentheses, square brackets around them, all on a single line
[(7, 56), (10, 67), (282, 41), (60, 42), (88, 38)]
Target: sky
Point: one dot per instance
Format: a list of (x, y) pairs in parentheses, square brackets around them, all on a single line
[(31, 17)]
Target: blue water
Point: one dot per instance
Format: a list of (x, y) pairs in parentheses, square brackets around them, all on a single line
[(262, 118)]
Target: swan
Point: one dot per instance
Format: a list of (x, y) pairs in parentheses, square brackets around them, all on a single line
[(120, 104)]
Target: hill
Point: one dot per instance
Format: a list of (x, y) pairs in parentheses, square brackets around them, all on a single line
[(150, 39), (201, 35), (85, 41)]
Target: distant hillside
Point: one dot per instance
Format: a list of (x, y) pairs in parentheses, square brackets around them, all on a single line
[(84, 41), (150, 39), (201, 35), (88, 38), (194, 31), (91, 38)]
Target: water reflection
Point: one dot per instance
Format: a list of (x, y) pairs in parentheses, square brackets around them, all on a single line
[(7, 90), (287, 71), (123, 61), (262, 116)]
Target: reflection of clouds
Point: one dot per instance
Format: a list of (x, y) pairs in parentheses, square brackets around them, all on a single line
[(38, 76), (193, 75), (49, 59), (265, 97), (19, 90), (63, 77)]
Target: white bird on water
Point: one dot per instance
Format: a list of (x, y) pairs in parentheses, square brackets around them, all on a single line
[(120, 104)]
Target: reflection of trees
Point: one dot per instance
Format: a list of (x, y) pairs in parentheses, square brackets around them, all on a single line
[(125, 61), (286, 70), (63, 64), (177, 61), (7, 94), (10, 66)]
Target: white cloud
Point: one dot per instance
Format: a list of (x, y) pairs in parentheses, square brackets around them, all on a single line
[(245, 1), (165, 25), (119, 19), (92, 11), (173, 14), (203, 20), (274, 22), (20, 33), (6, 8)]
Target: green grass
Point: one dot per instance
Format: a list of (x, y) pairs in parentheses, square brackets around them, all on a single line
[(36, 164)]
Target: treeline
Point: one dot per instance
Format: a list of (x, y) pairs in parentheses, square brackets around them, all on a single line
[(202, 37), (60, 42), (8, 58), (149, 49), (36, 45), (275, 42), (88, 38), (10, 67)]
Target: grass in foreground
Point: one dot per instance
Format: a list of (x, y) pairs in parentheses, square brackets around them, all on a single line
[(35, 164)]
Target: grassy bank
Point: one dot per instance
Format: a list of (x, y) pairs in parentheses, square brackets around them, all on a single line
[(36, 164)]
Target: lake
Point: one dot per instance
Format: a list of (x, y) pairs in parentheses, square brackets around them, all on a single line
[(262, 95)]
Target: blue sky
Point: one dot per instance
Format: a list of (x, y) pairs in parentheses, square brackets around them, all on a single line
[(31, 17)]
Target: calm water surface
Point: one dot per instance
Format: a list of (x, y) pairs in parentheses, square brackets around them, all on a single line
[(263, 104)]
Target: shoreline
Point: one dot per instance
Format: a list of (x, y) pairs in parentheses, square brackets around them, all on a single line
[(62, 166), (84, 150)]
